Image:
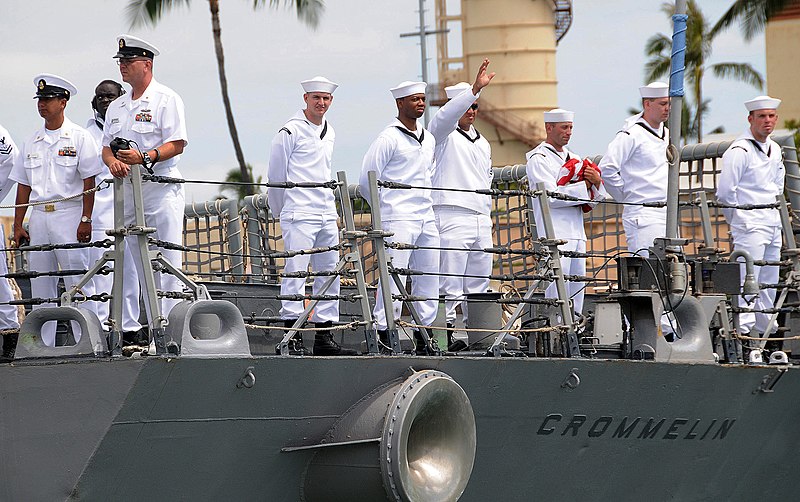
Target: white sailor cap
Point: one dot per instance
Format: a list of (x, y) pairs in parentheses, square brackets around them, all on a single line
[(319, 84), (454, 90), (559, 115), (53, 86), (408, 88), (135, 47), (654, 90), (762, 103)]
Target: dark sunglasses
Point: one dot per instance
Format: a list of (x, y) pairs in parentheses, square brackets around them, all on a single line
[(474, 106)]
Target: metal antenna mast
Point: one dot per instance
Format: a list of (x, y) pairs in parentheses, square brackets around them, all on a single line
[(422, 33)]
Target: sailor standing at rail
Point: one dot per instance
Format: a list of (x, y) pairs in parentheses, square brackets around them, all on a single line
[(463, 161), (564, 172), (103, 219), (634, 169), (302, 152), (9, 154), (60, 160), (152, 115), (753, 173), (403, 153)]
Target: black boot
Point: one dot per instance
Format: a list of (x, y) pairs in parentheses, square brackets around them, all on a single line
[(9, 347), (453, 343), (324, 344), (384, 347), (421, 349), (296, 347)]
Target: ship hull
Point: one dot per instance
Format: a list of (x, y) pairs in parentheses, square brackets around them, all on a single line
[(169, 429)]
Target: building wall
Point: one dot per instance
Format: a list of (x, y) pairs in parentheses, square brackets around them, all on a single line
[(783, 72)]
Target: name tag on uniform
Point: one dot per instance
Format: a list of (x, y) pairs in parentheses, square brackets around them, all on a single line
[(67, 151)]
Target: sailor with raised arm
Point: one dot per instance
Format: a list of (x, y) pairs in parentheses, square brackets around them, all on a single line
[(302, 152), (9, 154), (753, 173), (58, 162), (634, 169), (565, 173), (463, 160), (403, 153)]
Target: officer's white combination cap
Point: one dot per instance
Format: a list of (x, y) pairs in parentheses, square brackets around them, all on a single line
[(454, 90), (762, 103), (408, 88), (135, 47), (53, 86), (559, 115), (654, 90), (319, 84)]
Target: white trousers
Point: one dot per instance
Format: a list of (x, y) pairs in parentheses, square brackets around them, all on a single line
[(163, 209), (422, 233), (301, 231), (469, 230), (57, 227), (571, 266), (641, 231), (104, 283), (763, 243), (8, 313)]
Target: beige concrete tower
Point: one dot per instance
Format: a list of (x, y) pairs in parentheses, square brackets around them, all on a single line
[(520, 38)]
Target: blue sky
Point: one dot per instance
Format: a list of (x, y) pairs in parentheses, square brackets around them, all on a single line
[(600, 66)]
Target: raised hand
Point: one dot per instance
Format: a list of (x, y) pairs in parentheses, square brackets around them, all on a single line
[(482, 79)]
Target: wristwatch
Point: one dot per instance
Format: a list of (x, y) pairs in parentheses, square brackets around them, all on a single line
[(85, 219)]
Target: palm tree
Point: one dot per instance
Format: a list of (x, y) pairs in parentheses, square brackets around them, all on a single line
[(753, 15), (149, 12), (234, 183), (698, 52)]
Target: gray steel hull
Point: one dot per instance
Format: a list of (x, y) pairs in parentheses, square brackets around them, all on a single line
[(181, 429)]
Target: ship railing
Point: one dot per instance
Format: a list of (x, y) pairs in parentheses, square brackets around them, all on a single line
[(513, 225)]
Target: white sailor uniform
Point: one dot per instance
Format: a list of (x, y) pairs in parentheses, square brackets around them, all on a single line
[(753, 173), (157, 117), (544, 165), (463, 160), (54, 164), (302, 152), (102, 220), (9, 153), (634, 170), (404, 156)]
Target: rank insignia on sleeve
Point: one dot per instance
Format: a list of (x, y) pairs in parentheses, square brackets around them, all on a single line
[(144, 117), (5, 148), (67, 151)]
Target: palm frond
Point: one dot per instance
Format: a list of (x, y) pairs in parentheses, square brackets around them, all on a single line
[(742, 72), (752, 14), (149, 12), (308, 11)]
